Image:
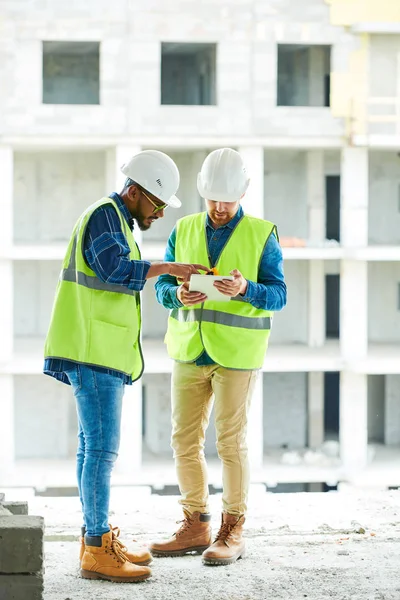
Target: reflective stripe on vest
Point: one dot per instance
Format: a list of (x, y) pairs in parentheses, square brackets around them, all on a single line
[(89, 325), (234, 333), (93, 282), (221, 318)]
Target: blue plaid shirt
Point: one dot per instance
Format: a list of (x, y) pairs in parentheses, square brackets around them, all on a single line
[(268, 293), (107, 254)]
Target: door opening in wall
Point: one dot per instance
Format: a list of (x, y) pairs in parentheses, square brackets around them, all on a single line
[(332, 306), (331, 405), (303, 75), (188, 74), (332, 201)]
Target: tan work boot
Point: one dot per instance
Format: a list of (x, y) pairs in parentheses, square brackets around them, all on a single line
[(194, 535), (138, 556), (229, 544), (109, 562)]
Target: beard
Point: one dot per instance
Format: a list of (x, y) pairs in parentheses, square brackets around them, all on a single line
[(142, 225)]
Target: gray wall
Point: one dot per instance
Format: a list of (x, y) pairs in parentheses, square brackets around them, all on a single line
[(291, 325), (285, 191), (37, 281), (51, 191), (285, 410), (384, 198), (383, 312), (45, 418), (392, 410), (376, 408), (383, 77)]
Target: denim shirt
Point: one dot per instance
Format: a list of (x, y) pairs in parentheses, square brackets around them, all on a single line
[(267, 293), (106, 252)]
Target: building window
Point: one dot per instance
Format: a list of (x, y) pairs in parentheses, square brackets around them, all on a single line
[(303, 75), (332, 199), (331, 405), (332, 306), (71, 73), (188, 74)]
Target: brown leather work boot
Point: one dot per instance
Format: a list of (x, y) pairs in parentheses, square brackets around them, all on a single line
[(107, 561), (229, 544), (194, 535), (137, 556)]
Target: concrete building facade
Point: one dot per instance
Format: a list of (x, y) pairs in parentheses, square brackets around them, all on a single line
[(309, 93)]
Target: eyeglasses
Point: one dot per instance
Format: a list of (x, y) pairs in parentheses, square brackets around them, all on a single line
[(157, 207)]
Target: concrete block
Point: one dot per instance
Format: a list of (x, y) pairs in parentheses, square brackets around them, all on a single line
[(16, 508), (21, 587), (21, 544)]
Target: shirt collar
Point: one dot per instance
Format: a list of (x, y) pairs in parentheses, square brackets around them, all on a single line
[(122, 207), (232, 223)]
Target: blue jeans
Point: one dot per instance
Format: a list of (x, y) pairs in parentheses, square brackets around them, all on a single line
[(99, 404)]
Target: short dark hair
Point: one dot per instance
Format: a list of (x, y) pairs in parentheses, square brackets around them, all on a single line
[(129, 182)]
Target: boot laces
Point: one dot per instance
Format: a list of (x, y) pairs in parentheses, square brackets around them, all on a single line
[(116, 549), (225, 532), (186, 524), (117, 546)]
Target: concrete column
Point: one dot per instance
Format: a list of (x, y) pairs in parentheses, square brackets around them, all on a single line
[(6, 310), (6, 241), (353, 308), (316, 195), (130, 452), (253, 201), (354, 233), (255, 429), (7, 195), (7, 444), (353, 421), (315, 409), (316, 303), (354, 197)]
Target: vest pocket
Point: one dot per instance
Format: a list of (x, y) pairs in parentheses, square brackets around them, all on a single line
[(111, 346)]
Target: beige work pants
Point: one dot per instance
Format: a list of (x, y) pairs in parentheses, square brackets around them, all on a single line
[(192, 391)]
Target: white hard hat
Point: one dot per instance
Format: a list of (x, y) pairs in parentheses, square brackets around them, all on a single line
[(223, 176), (157, 173)]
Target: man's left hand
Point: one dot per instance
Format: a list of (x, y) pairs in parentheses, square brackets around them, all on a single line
[(232, 288)]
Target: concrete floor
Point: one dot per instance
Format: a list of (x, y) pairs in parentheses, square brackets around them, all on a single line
[(299, 546)]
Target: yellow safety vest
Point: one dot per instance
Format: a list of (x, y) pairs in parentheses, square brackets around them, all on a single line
[(93, 322), (233, 333)]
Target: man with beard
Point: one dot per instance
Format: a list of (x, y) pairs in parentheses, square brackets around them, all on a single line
[(218, 348), (93, 343)]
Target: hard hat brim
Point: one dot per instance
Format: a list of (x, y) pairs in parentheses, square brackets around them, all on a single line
[(218, 197), (174, 202)]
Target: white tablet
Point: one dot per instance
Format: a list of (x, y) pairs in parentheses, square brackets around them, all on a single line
[(205, 284)]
